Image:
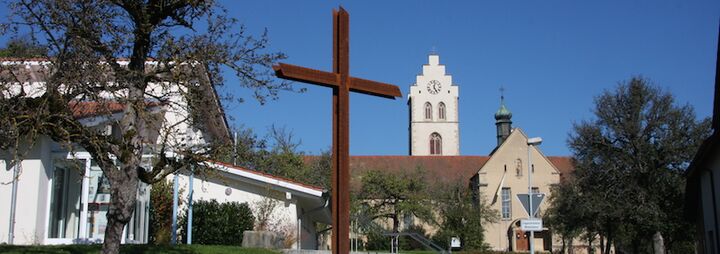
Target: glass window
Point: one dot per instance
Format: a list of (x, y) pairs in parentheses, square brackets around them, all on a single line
[(428, 111), (435, 144), (65, 195), (441, 111), (506, 203), (98, 202)]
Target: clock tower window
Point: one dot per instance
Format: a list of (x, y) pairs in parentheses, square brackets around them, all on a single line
[(428, 111), (435, 144), (441, 111)]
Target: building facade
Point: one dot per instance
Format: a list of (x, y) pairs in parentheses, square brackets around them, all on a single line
[(57, 194), (433, 107)]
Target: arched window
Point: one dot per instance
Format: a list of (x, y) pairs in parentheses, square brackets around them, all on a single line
[(441, 111), (435, 144), (428, 111)]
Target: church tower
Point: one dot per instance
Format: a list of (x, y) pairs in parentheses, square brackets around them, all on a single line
[(503, 122), (433, 106)]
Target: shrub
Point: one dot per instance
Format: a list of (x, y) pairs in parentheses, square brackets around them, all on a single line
[(161, 212), (215, 223)]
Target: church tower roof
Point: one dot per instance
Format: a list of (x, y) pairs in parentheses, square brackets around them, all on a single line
[(503, 113)]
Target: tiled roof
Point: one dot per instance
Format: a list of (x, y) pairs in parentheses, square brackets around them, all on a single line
[(564, 164), (438, 169)]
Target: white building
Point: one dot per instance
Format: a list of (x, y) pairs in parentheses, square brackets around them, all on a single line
[(433, 105), (62, 196)]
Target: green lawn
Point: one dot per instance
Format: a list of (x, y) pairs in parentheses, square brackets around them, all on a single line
[(132, 248)]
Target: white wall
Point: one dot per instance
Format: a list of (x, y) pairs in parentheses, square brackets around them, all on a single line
[(420, 128), (284, 217), (32, 191)]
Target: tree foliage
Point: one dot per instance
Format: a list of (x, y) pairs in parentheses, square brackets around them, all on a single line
[(139, 55), (461, 215), (23, 48), (218, 224), (392, 197), (161, 204), (277, 154), (628, 184)]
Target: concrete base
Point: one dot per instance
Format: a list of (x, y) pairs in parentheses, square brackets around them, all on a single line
[(262, 239)]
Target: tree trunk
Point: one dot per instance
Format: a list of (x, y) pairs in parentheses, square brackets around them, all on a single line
[(602, 245), (122, 206), (564, 240), (608, 243), (396, 223), (658, 243)]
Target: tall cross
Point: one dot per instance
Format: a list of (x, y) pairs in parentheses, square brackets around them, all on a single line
[(342, 84)]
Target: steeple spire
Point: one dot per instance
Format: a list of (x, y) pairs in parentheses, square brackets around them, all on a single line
[(502, 119)]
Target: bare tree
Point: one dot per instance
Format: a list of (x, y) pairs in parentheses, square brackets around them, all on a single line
[(139, 58)]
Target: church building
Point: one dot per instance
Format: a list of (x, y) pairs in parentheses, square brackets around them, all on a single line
[(434, 146)]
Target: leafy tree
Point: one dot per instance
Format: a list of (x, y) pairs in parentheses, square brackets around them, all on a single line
[(392, 197), (23, 48), (277, 154), (460, 215), (161, 203), (629, 168), (98, 51), (566, 212)]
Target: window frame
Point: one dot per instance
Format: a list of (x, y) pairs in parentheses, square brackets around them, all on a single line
[(506, 203), (435, 144), (428, 111)]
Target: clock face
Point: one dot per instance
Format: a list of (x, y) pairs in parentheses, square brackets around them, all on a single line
[(434, 86)]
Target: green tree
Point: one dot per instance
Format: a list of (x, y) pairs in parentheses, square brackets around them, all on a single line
[(461, 215), (101, 48), (277, 154), (629, 168), (567, 213), (393, 197), (23, 48), (161, 203)]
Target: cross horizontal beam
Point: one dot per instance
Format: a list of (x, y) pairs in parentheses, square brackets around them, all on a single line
[(332, 80)]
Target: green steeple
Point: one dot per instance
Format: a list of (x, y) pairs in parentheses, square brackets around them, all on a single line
[(503, 113), (502, 121)]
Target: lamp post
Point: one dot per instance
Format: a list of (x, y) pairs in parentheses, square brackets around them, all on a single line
[(531, 142)]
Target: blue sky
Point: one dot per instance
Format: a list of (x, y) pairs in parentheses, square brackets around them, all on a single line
[(552, 57)]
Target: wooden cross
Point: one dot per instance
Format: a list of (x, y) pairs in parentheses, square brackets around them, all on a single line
[(342, 83)]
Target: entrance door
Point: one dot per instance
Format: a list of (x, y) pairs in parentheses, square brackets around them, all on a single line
[(521, 240)]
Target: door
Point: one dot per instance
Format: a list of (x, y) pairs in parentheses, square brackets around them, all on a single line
[(521, 240)]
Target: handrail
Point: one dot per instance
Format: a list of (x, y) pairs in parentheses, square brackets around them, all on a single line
[(421, 239)]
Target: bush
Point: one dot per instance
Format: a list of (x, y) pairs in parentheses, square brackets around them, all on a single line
[(161, 204), (215, 223), (408, 243), (377, 241)]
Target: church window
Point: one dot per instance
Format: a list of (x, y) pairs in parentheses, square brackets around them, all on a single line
[(428, 111), (506, 203), (441, 111), (435, 144)]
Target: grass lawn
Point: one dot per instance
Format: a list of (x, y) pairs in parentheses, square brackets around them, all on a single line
[(132, 248)]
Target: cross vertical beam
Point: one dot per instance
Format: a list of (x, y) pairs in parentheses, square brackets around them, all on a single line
[(342, 84), (341, 134)]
